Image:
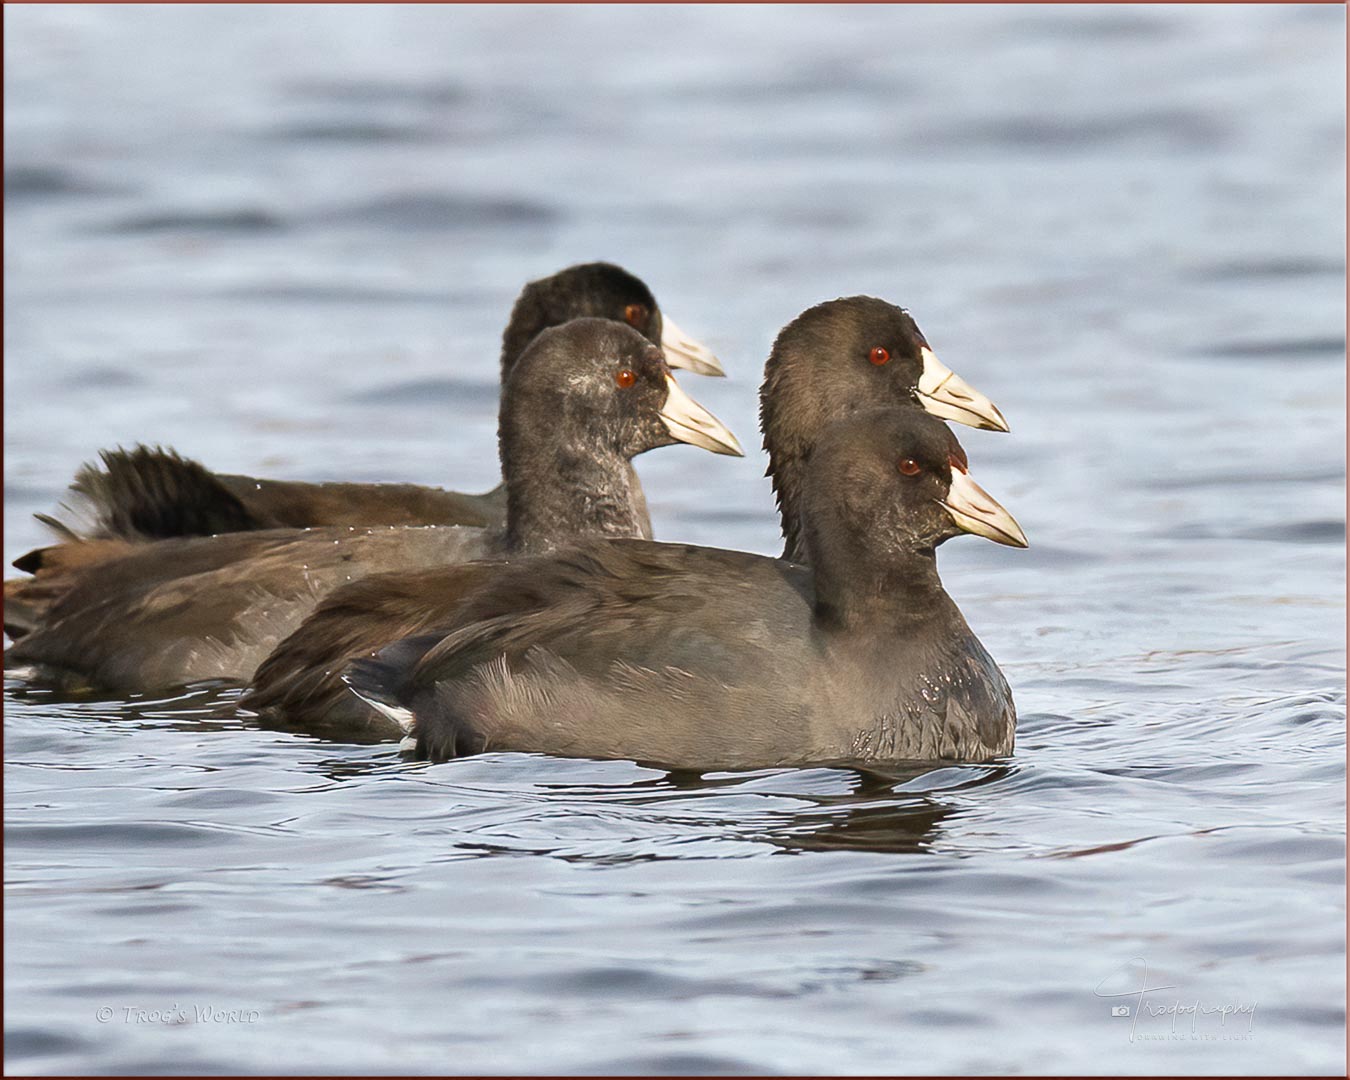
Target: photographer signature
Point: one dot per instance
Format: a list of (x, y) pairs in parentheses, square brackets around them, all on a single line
[(1175, 1008)]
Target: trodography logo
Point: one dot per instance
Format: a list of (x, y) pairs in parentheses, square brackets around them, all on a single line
[(1159, 1010)]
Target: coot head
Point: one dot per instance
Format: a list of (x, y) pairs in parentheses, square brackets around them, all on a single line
[(604, 291), (612, 387), (842, 357), (583, 400), (882, 491), (899, 482)]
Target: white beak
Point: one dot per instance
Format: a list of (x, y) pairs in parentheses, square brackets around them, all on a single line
[(684, 352), (691, 423), (976, 511), (944, 393)]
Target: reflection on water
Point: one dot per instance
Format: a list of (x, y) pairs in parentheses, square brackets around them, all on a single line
[(285, 245)]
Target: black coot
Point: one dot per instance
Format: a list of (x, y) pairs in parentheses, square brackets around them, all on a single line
[(152, 493), (709, 659), (581, 402)]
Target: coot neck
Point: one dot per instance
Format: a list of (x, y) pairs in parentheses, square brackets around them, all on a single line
[(786, 466), (793, 409), (560, 488), (859, 590)]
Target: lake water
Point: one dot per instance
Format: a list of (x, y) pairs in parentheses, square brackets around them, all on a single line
[(284, 241)]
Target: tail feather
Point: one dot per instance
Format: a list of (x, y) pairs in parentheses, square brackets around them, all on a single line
[(382, 680), (23, 608), (372, 680), (33, 561), (55, 571), (145, 493), (60, 528), (149, 493)]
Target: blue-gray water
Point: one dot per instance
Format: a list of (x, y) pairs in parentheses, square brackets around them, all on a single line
[(284, 241)]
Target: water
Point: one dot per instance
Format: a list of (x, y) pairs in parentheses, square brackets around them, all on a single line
[(284, 241)]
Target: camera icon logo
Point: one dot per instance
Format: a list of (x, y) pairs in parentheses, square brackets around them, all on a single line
[(1120, 1010)]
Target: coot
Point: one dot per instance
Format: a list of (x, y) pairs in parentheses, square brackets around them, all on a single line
[(583, 399), (153, 493), (703, 658), (835, 359)]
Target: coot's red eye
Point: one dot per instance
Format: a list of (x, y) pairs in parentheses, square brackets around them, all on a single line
[(635, 315), (879, 355), (909, 466), (625, 378)]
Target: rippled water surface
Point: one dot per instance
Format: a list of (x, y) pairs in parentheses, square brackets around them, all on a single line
[(284, 241)]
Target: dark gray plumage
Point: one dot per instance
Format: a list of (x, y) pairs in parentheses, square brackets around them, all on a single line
[(820, 369), (583, 399), (701, 658), (151, 493), (171, 612)]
